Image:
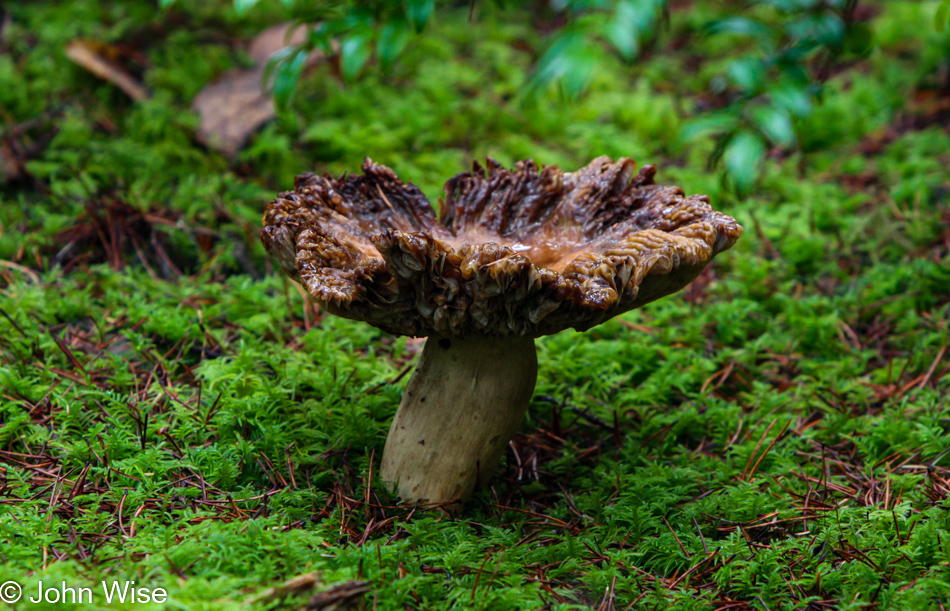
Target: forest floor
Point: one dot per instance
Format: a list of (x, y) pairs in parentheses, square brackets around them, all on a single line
[(176, 413)]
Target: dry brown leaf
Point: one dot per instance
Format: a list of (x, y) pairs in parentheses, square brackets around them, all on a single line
[(274, 39), (233, 107), (84, 54)]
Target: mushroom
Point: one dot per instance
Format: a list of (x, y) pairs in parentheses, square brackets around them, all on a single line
[(514, 255)]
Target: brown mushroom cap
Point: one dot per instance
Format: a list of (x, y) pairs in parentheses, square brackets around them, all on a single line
[(529, 251)]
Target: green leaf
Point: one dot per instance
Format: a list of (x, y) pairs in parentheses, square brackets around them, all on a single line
[(286, 75), (243, 6), (418, 12), (793, 99), (775, 123), (791, 6), (276, 59), (288, 3), (743, 26), (747, 73), (392, 40), (826, 29), (942, 16), (164, 4), (321, 37), (831, 30), (859, 40), (569, 62), (742, 157), (709, 125), (622, 32), (354, 51)]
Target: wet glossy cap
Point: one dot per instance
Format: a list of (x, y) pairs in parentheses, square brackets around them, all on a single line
[(528, 251)]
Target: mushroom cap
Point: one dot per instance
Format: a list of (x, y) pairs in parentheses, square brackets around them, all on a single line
[(528, 251)]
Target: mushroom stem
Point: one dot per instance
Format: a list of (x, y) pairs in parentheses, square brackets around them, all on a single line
[(463, 404)]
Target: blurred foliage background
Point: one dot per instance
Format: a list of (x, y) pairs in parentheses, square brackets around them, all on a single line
[(789, 48)]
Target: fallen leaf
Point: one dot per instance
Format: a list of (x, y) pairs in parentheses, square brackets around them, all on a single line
[(233, 107), (84, 54), (274, 39)]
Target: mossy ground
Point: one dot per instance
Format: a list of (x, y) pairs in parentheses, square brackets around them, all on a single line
[(173, 412)]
